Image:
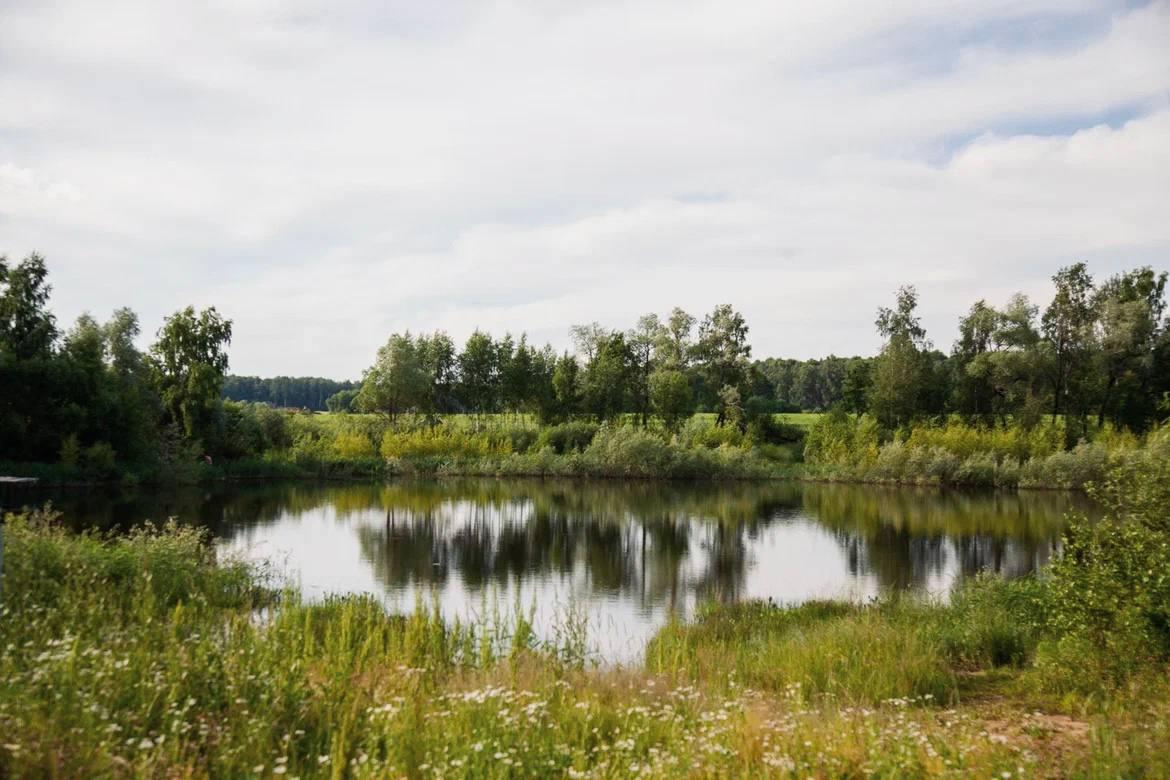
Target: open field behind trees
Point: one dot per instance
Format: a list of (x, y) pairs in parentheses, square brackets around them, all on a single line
[(142, 655)]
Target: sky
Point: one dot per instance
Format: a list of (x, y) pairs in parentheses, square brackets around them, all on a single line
[(328, 173)]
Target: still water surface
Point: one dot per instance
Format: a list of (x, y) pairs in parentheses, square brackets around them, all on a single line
[(625, 555)]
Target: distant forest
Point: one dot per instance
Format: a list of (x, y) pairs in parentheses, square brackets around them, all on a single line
[(795, 385), (293, 392)]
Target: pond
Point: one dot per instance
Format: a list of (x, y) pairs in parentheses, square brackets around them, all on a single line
[(623, 555)]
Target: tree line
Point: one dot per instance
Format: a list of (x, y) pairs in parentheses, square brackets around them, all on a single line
[(88, 395), (1097, 353), (664, 367), (291, 392)]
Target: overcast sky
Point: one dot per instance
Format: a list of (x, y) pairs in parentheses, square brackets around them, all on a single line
[(326, 173)]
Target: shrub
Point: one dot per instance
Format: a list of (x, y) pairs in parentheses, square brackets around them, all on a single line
[(837, 439), (629, 451), (70, 451), (1111, 584), (352, 445), (703, 432), (99, 460), (442, 442), (520, 438), (1073, 469), (567, 437), (994, 622)]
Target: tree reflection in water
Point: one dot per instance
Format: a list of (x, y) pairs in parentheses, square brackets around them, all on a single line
[(653, 545)]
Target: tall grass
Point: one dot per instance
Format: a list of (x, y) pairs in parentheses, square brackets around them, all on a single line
[(143, 656)]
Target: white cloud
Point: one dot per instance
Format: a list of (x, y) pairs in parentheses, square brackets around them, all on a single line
[(326, 173)]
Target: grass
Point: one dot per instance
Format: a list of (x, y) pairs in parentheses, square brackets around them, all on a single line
[(142, 655)]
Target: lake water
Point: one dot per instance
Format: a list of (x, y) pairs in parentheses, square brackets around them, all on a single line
[(624, 555)]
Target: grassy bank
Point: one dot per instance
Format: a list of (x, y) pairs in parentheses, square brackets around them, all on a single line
[(142, 655), (369, 447), (849, 448)]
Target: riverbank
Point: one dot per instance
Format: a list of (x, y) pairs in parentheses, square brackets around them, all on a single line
[(141, 655), (838, 449)]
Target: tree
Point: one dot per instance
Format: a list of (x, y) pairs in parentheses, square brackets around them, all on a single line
[(132, 422), (731, 409), (479, 371), (974, 388), (1013, 366), (670, 397), (587, 339), (27, 327), (855, 387), (1067, 327), (1129, 313), (343, 401), (541, 391), (641, 340), (902, 370), (723, 353), (436, 355), (517, 377), (607, 377), (673, 346), (189, 362), (566, 385), (398, 381)]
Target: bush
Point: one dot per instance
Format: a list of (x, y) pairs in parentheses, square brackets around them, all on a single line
[(1073, 469), (1111, 584), (703, 432), (837, 439), (99, 460), (70, 451), (352, 445), (629, 451), (567, 437), (444, 443), (520, 437), (995, 622)]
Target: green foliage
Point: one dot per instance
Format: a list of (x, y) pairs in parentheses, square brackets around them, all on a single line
[(567, 437), (839, 439), (704, 432), (70, 451), (189, 362), (1111, 585), (606, 377), (348, 444), (443, 443), (994, 622), (398, 381), (290, 392), (343, 401), (670, 397), (99, 459)]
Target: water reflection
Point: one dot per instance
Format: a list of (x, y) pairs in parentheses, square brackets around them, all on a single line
[(627, 553)]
